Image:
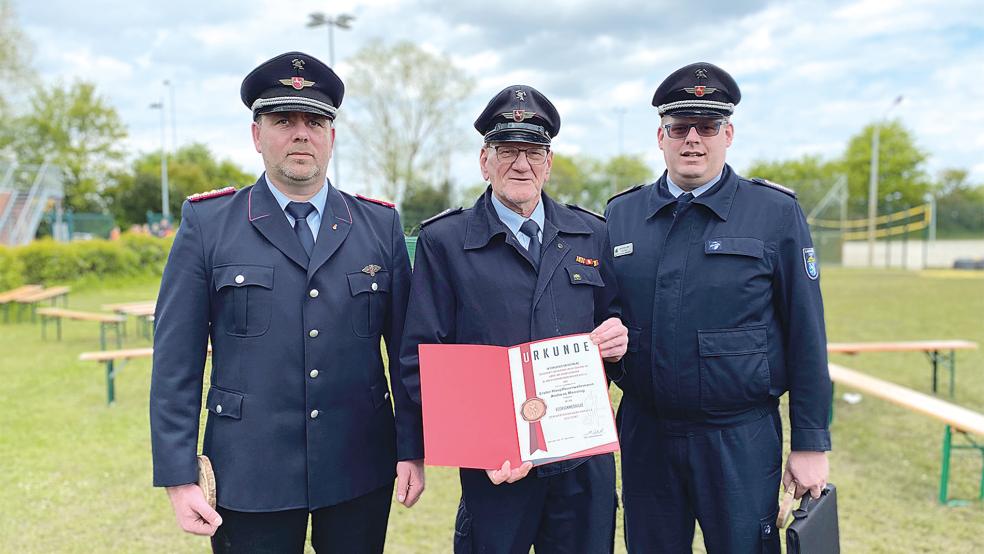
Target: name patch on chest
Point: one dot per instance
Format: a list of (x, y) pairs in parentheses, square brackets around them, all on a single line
[(623, 250)]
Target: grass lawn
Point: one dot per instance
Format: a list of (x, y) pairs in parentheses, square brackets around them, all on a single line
[(75, 474)]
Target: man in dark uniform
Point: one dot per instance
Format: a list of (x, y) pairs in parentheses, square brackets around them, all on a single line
[(517, 267), (295, 283), (718, 281)]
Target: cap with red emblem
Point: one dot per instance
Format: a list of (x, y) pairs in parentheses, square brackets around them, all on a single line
[(519, 113), (293, 82), (698, 89)]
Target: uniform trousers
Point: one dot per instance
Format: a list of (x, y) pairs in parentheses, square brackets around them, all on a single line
[(357, 526), (725, 477), (571, 512)]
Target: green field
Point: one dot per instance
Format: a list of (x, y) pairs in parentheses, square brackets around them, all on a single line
[(75, 474)]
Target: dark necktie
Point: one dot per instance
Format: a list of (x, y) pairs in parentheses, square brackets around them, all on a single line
[(299, 211), (685, 198), (532, 230)]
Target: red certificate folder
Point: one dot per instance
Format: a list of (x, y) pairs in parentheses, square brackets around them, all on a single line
[(470, 418)]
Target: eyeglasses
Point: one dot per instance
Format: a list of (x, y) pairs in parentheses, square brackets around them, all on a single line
[(705, 128), (509, 154)]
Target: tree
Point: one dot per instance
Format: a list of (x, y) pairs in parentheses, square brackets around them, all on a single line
[(900, 167), (423, 201), (77, 131), (191, 169), (589, 183), (959, 204), (402, 112), (15, 71)]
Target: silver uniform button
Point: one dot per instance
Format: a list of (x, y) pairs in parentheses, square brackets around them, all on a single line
[(314, 373), (314, 414), (313, 333), (218, 409), (386, 396), (240, 279), (313, 293), (375, 286)]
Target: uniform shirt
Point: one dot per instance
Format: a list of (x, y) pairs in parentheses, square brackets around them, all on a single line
[(318, 200), (676, 191), (722, 300), (513, 221)]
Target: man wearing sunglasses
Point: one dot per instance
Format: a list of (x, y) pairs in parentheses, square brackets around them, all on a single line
[(718, 281), (518, 267)]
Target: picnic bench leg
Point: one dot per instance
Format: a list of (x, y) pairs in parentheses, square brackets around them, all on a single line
[(102, 336), (953, 371), (119, 339), (934, 358), (110, 383), (945, 466), (44, 328)]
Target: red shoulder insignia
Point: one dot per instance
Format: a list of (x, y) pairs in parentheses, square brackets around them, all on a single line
[(214, 193), (376, 201)]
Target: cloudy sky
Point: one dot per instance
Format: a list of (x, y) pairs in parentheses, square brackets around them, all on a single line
[(812, 73)]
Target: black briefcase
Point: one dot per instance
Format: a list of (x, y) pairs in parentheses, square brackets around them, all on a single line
[(814, 527)]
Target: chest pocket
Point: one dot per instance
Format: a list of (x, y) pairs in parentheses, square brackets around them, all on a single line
[(370, 296), (740, 246), (245, 296)]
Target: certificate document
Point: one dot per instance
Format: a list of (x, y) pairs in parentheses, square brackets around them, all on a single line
[(536, 402)]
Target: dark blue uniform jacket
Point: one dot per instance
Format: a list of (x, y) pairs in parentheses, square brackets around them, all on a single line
[(299, 412), (722, 301), (473, 283)]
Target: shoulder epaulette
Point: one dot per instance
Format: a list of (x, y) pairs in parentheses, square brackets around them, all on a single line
[(626, 191), (214, 193), (777, 186), (585, 210), (376, 201), (439, 215)]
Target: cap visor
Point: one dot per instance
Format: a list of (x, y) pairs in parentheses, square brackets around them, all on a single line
[(692, 112), (516, 135), (294, 108)]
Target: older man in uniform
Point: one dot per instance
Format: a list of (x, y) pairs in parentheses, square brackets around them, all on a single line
[(719, 286), (295, 283), (516, 267)]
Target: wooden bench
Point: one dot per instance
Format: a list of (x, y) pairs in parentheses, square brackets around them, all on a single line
[(35, 298), (10, 296), (143, 311), (105, 321), (936, 350), (956, 418), (111, 357)]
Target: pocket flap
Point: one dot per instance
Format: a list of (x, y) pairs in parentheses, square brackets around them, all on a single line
[(224, 403), (360, 282), (242, 276), (742, 246), (584, 275), (727, 342)]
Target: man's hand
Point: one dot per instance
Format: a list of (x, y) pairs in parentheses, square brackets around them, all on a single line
[(507, 475), (193, 513), (808, 470), (612, 338), (409, 481)]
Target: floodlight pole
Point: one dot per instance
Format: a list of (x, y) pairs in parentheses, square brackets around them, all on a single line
[(873, 182), (165, 200), (343, 21)]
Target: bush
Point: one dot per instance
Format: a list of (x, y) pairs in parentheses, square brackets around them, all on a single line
[(11, 269), (48, 262)]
